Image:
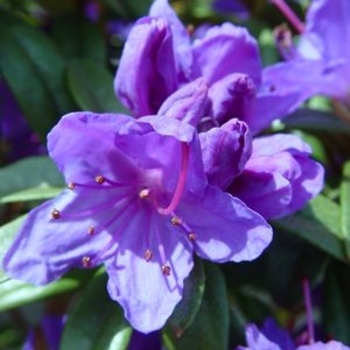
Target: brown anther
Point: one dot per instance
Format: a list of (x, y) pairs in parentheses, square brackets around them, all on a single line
[(71, 186), (176, 221), (190, 29), (148, 255), (100, 179), (86, 261), (91, 230), (144, 193), (166, 270), (192, 236), (55, 214)]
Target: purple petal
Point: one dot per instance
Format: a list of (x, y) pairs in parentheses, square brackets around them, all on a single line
[(45, 248), (225, 229), (147, 72), (235, 50), (75, 145), (233, 6), (188, 104), (182, 45), (232, 97), (225, 151), (257, 341), (331, 345), (147, 295), (280, 336)]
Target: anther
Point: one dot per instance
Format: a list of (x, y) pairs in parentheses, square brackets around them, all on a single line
[(192, 236), (100, 179), (166, 270), (86, 261), (71, 186), (144, 193), (91, 230), (176, 221), (55, 214), (148, 255)]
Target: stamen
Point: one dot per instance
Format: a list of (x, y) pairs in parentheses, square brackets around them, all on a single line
[(192, 236), (290, 15), (308, 305), (55, 214), (144, 193), (91, 230), (100, 179), (166, 270), (86, 261), (181, 181), (176, 221), (71, 186), (148, 255)]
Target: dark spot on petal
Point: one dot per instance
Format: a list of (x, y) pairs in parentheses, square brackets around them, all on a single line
[(166, 270), (71, 186), (148, 255), (100, 179), (91, 230), (55, 214), (86, 261)]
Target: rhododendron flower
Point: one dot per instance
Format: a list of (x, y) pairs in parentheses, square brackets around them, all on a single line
[(139, 202), (320, 63), (159, 57)]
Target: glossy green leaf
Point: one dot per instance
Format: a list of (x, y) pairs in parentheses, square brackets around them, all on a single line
[(15, 293), (32, 194), (7, 234), (336, 305), (319, 224), (209, 329), (34, 71), (92, 87), (96, 322), (188, 307), (29, 173), (345, 206), (77, 37)]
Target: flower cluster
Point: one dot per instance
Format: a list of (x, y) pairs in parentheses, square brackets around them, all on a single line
[(185, 174)]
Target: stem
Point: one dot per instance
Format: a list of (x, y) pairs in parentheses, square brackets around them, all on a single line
[(290, 15), (181, 181), (308, 305)]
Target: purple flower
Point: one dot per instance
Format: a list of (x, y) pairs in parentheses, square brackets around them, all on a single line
[(279, 178), (20, 140), (159, 57), (320, 63), (232, 6), (256, 340), (138, 201)]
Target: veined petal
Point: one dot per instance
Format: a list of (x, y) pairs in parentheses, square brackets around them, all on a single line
[(62, 232), (182, 44), (225, 229), (147, 71), (236, 51), (225, 151), (149, 289), (82, 145)]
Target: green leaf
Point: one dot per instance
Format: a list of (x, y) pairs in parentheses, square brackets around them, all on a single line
[(209, 330), (15, 293), (7, 234), (29, 173), (345, 206), (32, 194), (319, 224), (336, 305), (188, 307), (92, 87), (77, 37), (34, 71), (96, 322), (314, 120)]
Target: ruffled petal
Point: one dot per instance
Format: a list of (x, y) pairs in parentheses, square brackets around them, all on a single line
[(225, 229), (147, 72), (235, 50), (225, 151), (188, 104), (82, 145), (147, 294), (182, 44)]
